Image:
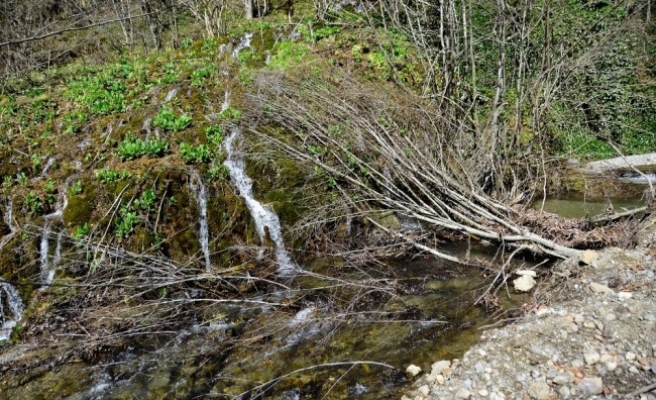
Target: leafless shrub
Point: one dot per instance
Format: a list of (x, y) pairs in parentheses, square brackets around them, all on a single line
[(390, 152)]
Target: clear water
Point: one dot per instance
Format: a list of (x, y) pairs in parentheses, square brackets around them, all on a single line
[(579, 207)]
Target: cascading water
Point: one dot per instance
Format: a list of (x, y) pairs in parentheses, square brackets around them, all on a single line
[(47, 268), (244, 43), (226, 101), (204, 234), (263, 216), (8, 217), (10, 297)]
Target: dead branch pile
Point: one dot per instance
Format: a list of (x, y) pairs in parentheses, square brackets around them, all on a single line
[(387, 151)]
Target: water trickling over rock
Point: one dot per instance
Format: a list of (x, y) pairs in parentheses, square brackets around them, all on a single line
[(265, 218), (9, 296), (204, 234), (48, 268), (8, 217), (244, 43)]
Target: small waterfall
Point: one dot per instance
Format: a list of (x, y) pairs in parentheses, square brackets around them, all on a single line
[(46, 168), (48, 269), (263, 216), (8, 217), (204, 233), (226, 101), (244, 43), (170, 95), (44, 251), (10, 297)]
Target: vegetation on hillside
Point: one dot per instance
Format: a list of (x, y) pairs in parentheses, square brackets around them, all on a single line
[(358, 120)]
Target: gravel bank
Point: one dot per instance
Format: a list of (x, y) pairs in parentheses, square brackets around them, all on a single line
[(596, 338)]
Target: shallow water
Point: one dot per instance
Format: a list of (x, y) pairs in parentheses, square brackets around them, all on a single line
[(578, 207)]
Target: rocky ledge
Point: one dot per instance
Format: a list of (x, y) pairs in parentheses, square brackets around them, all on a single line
[(594, 338)]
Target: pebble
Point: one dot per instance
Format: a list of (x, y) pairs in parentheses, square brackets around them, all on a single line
[(624, 295), (591, 358), (564, 391), (424, 390), (483, 392), (611, 365), (538, 390), (649, 317), (630, 356), (462, 394), (633, 369), (562, 379), (599, 288), (606, 358), (497, 396), (440, 366), (591, 386), (413, 370)]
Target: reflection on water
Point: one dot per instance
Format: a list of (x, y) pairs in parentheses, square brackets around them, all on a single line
[(580, 208)]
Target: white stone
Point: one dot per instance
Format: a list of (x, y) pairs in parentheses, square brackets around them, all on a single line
[(526, 272), (591, 358), (424, 390), (440, 366), (413, 370), (539, 390), (439, 379), (630, 356), (462, 394), (591, 386), (483, 392), (524, 283), (588, 257), (624, 295), (611, 365)]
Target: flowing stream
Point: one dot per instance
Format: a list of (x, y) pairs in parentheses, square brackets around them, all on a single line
[(204, 234), (265, 218)]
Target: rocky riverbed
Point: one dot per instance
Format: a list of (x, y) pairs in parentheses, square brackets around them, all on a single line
[(592, 336)]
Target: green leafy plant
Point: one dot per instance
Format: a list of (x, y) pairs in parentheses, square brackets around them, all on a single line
[(49, 189), (81, 231), (76, 188), (146, 201), (195, 154), (108, 175), (231, 114), (74, 121), (218, 172), (132, 148), (167, 120), (214, 134), (126, 220), (34, 203), (199, 76), (22, 178)]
